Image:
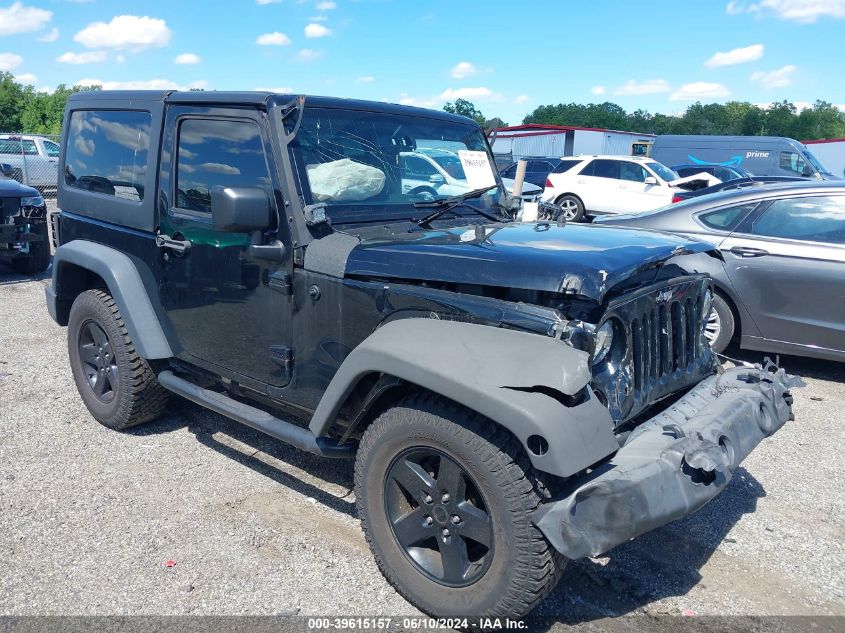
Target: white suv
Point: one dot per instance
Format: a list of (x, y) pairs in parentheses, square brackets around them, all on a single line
[(593, 185)]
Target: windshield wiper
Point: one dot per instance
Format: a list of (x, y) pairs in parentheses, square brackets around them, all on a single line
[(445, 205)]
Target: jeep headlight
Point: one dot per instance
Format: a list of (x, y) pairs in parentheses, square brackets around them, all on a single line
[(604, 341), (32, 201), (706, 307)]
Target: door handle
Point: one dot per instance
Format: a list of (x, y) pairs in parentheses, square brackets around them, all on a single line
[(581, 182), (178, 246), (748, 251)]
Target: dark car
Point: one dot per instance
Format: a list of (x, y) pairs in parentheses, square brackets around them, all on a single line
[(781, 284), (24, 244), (503, 388), (722, 172), (536, 170), (739, 183)]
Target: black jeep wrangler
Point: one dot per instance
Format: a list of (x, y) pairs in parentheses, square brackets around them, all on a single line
[(24, 241), (514, 395)]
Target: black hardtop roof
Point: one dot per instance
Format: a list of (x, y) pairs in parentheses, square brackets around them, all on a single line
[(257, 98)]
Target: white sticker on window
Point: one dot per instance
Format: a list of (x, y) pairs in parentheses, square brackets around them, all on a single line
[(477, 169)]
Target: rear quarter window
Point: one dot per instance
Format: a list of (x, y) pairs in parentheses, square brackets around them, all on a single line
[(565, 165), (107, 151), (726, 219)]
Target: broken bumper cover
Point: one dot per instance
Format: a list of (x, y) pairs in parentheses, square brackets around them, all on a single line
[(672, 464)]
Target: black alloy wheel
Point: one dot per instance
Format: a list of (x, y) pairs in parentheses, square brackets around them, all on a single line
[(98, 362), (438, 517)]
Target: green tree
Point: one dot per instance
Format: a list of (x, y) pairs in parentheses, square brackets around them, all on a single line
[(465, 108)]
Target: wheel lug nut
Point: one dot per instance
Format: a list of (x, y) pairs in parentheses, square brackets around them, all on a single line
[(446, 532), (427, 499), (429, 520), (456, 519), (445, 498)]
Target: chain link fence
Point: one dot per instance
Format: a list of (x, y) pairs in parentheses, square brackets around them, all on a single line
[(31, 159)]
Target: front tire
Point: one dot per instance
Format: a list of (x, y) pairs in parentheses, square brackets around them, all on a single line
[(119, 387), (445, 499), (721, 325), (573, 208)]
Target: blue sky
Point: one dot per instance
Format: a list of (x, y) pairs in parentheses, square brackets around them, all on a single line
[(507, 58)]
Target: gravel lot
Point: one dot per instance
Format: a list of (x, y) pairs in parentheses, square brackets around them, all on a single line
[(88, 517)]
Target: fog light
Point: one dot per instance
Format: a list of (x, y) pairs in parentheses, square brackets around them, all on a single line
[(604, 341)]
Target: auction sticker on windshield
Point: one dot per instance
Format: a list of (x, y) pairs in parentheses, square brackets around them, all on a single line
[(477, 169)]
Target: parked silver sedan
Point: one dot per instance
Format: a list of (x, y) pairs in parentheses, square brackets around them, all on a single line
[(780, 275)]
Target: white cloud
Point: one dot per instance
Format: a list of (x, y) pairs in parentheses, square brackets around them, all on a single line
[(463, 70), (327, 5), (10, 61), (273, 39), (187, 58), (119, 59), (699, 90), (309, 54), (51, 36), (27, 79), (149, 84), (520, 99), (779, 78), (267, 1), (88, 57), (736, 56), (125, 31), (366, 79), (219, 168), (465, 93), (598, 90), (281, 90), (804, 11), (315, 30), (647, 87), (318, 18), (19, 18)]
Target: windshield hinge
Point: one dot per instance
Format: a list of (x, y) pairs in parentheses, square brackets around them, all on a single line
[(315, 214)]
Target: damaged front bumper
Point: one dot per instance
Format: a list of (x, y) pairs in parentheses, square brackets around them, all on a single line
[(672, 464)]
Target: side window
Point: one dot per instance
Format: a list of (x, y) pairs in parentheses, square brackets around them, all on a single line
[(792, 161), (509, 172), (683, 172), (724, 174), (216, 152), (604, 168), (566, 165), (539, 165), (417, 168), (18, 146), (817, 219), (726, 219), (51, 149), (632, 172), (107, 152)]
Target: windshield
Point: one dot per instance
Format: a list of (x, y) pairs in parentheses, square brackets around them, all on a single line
[(663, 171), (815, 162), (370, 166)]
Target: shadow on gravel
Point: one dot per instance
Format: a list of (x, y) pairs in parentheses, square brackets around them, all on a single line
[(798, 365), (9, 277), (661, 564), (204, 424)]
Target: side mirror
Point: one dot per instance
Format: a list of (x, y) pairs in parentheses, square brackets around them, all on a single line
[(239, 209), (807, 172), (6, 169), (436, 179), (650, 180)]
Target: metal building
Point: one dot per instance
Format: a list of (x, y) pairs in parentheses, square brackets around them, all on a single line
[(518, 141)]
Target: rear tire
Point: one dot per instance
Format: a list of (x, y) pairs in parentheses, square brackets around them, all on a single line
[(573, 208), (119, 387), (721, 326), (469, 477), (38, 258)]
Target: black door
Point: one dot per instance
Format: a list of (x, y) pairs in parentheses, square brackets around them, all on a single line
[(230, 310)]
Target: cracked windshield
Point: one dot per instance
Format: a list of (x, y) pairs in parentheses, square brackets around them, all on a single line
[(364, 159)]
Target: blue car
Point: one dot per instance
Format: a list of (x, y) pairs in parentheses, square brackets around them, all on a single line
[(722, 172)]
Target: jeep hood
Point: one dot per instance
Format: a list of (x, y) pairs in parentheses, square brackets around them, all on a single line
[(575, 259)]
